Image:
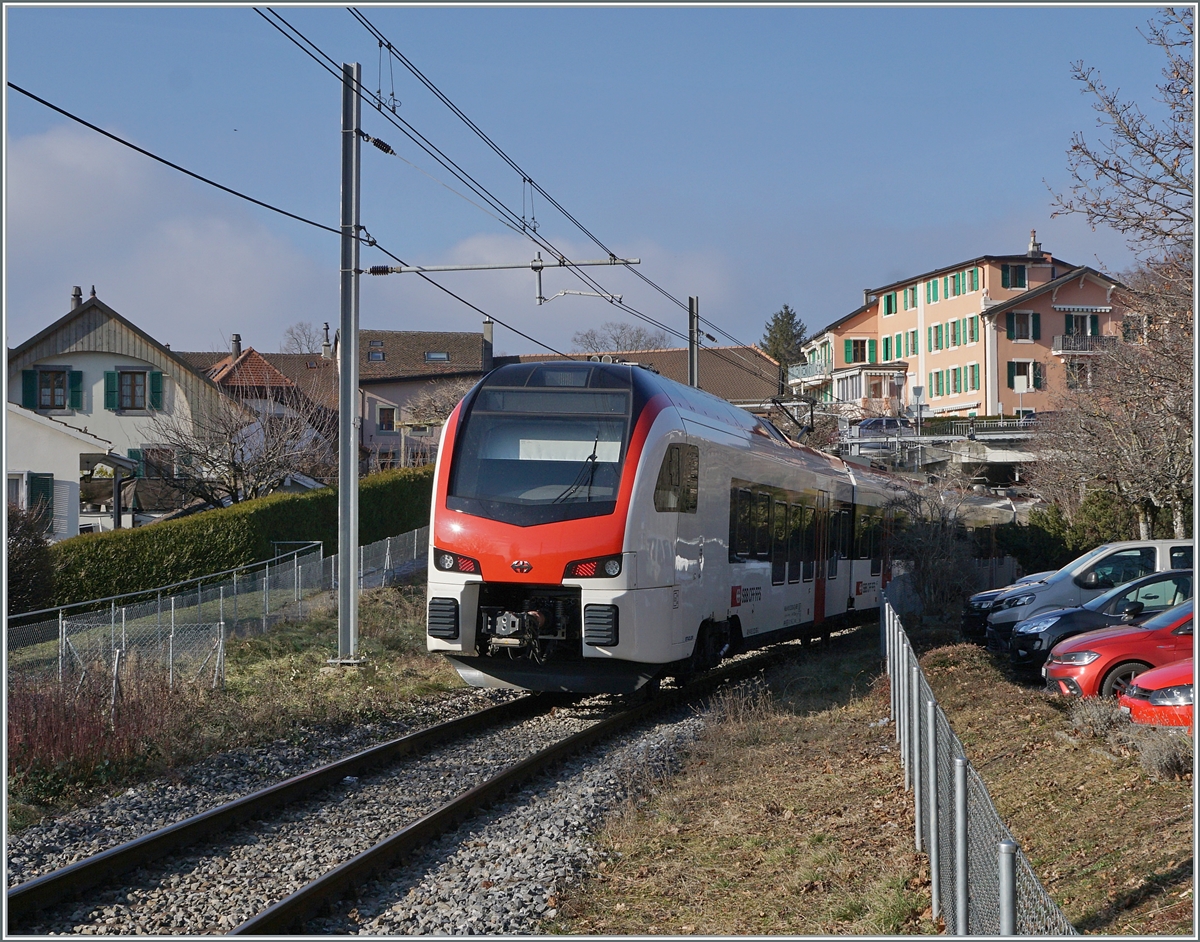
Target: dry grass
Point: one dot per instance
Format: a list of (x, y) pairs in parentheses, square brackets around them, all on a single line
[(1111, 843), (790, 818), (67, 747)]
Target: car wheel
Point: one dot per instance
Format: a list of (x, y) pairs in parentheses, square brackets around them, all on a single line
[(1118, 679)]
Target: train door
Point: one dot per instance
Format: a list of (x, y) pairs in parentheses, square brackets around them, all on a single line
[(687, 596), (821, 550)]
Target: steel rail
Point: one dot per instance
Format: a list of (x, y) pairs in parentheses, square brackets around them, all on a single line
[(67, 882), (289, 914)]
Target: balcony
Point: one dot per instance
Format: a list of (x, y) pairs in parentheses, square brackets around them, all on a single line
[(1077, 343), (809, 372)]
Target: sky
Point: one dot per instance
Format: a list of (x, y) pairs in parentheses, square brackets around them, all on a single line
[(750, 156)]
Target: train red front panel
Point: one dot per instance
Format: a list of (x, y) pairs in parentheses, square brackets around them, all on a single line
[(546, 547)]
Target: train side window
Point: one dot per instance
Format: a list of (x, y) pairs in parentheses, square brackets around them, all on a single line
[(739, 524), (839, 524), (779, 545), (810, 543), (762, 525), (795, 519), (678, 479)]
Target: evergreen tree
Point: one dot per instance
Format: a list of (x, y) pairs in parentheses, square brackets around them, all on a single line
[(784, 337)]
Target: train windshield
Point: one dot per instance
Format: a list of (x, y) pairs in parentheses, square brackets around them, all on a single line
[(543, 442)]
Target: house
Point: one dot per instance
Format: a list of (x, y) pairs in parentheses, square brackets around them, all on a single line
[(743, 375), (992, 335), (101, 376)]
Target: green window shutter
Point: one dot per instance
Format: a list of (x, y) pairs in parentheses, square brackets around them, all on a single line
[(75, 387), (849, 351), (935, 289), (1037, 375), (958, 387), (887, 349), (954, 333), (135, 454), (1005, 277), (29, 389), (928, 292), (1012, 375), (896, 347), (929, 388), (872, 351), (156, 386), (1018, 276), (40, 497), (1036, 325), (1010, 325), (974, 279), (1095, 324), (110, 390), (1068, 324), (938, 337)]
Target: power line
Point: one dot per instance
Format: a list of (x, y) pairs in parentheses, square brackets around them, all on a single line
[(315, 52)]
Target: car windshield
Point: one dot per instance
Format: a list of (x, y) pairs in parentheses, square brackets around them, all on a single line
[(542, 444), (1169, 617)]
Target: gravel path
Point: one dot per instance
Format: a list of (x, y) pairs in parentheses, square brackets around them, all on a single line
[(221, 885)]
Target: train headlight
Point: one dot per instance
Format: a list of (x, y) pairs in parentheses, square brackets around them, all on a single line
[(452, 562), (598, 568)]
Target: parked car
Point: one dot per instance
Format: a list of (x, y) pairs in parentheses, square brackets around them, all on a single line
[(882, 432), (1082, 579), (1131, 602), (1103, 663), (976, 608), (1161, 697)]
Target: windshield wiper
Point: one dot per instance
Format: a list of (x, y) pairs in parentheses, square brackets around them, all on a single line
[(589, 468)]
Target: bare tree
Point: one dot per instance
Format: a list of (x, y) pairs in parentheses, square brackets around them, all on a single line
[(613, 336), (302, 337), (1123, 422), (228, 451), (433, 405)]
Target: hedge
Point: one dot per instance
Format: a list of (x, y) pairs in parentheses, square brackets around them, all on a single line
[(96, 565)]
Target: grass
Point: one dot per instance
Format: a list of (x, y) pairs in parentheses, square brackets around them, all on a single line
[(790, 818), (66, 746)]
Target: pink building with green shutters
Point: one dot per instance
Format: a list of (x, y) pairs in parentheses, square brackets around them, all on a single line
[(992, 335)]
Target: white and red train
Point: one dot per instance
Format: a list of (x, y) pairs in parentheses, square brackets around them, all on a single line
[(596, 526)]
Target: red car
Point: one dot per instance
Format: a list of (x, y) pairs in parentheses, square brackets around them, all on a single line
[(1102, 663), (1161, 697)]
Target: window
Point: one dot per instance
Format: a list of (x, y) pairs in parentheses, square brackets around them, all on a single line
[(953, 333), (1031, 371), (779, 544), (14, 491), (887, 349), (678, 480), (52, 389), (1122, 566), (973, 329), (132, 390), (1078, 372), (387, 419), (1082, 325), (795, 521), (437, 356), (375, 356), (1012, 276), (957, 379), (911, 350), (1181, 557), (1023, 325), (910, 298), (931, 291), (856, 351), (973, 376), (889, 304)]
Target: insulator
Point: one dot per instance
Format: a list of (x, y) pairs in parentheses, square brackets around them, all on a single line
[(380, 270), (383, 146)]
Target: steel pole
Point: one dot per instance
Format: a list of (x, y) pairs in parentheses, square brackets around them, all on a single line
[(961, 861), (914, 741), (1007, 879), (348, 419), (931, 758)]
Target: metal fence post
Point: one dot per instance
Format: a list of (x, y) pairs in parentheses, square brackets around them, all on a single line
[(266, 595), (931, 759), (112, 628), (961, 861), (914, 741), (1007, 879), (387, 560), (235, 618), (220, 665), (158, 622), (361, 565), (62, 643), (901, 688), (296, 579), (123, 645), (171, 650)]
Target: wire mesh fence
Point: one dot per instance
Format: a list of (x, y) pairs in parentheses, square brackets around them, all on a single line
[(981, 882), (182, 629)]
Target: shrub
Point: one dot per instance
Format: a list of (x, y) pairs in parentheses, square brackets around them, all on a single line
[(1165, 753), (30, 569), (1097, 716), (96, 565)]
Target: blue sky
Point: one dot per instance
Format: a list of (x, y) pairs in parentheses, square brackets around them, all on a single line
[(753, 157)]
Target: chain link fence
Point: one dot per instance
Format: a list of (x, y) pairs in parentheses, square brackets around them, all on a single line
[(183, 628), (981, 882)]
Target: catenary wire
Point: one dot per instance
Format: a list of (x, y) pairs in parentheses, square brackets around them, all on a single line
[(365, 239), (329, 64)]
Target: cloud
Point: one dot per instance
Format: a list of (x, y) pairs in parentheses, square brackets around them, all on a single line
[(188, 265)]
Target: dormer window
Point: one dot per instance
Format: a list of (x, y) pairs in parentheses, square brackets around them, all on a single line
[(437, 356)]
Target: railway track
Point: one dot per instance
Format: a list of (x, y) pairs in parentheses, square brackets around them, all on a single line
[(214, 854)]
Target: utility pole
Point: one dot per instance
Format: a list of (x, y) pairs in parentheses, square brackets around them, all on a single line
[(694, 342), (348, 418)]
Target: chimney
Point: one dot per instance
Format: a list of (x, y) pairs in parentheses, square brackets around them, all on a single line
[(1035, 247), (488, 326), (866, 296), (326, 348), (93, 291), (76, 297), (236, 342)]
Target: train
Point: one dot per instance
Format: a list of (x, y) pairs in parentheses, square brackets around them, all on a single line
[(596, 527)]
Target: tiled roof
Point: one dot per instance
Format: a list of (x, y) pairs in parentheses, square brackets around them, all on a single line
[(316, 377), (736, 374), (406, 354), (993, 309), (249, 371)]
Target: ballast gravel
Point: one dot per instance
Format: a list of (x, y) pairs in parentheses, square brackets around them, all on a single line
[(499, 874)]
